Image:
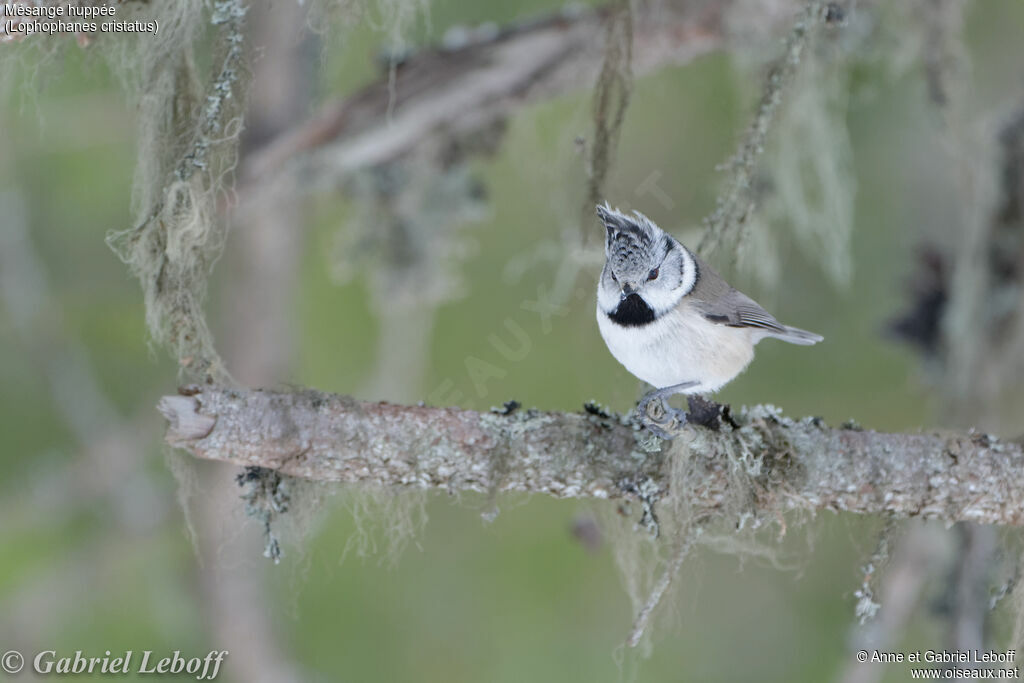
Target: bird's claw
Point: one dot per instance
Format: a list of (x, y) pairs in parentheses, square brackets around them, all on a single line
[(660, 419)]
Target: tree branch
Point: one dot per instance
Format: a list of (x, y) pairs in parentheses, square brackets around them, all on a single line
[(792, 465)]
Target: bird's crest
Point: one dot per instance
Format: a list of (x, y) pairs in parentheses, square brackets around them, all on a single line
[(637, 226)]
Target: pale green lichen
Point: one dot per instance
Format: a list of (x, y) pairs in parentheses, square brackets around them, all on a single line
[(681, 503), (807, 184), (727, 223), (188, 142)]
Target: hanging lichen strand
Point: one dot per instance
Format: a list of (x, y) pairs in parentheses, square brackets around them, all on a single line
[(187, 151), (611, 98), (725, 225)]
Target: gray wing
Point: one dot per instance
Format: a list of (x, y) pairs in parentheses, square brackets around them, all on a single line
[(721, 303), (736, 309)]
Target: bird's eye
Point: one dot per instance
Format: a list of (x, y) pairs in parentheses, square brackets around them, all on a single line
[(653, 275)]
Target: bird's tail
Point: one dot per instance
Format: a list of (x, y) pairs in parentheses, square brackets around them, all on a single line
[(795, 335)]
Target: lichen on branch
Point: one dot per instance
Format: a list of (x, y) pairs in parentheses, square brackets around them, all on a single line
[(772, 463)]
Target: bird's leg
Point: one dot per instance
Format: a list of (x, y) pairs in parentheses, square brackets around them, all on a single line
[(669, 415)]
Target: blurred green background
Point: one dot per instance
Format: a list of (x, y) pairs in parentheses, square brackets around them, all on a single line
[(98, 560)]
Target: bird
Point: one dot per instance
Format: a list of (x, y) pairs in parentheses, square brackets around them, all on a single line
[(671, 320)]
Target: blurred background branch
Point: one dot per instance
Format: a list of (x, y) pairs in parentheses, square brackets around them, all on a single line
[(458, 96)]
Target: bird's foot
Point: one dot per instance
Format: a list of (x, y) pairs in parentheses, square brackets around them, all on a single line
[(659, 417)]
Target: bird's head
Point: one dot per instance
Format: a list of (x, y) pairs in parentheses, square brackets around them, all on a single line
[(643, 260)]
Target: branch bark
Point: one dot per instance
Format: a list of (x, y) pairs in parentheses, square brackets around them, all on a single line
[(797, 464)]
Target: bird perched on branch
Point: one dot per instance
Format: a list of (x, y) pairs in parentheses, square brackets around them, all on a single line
[(673, 321)]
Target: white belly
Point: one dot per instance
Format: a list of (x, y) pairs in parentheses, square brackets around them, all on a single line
[(680, 347)]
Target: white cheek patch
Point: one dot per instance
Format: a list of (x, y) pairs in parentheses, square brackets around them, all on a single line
[(608, 294), (663, 300)]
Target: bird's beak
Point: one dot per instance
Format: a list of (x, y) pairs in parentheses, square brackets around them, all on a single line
[(627, 290)]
